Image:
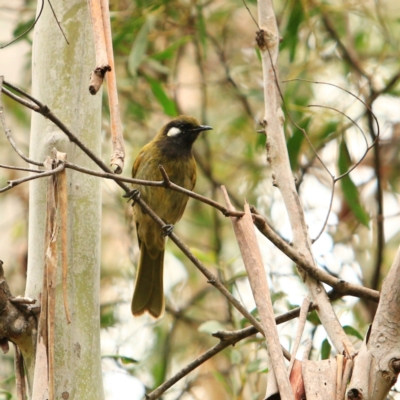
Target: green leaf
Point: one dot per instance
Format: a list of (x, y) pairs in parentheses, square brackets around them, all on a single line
[(313, 318), (201, 28), (139, 47), (123, 359), (236, 357), (352, 332), (294, 144), (23, 27), (328, 129), (107, 316), (258, 53), (349, 189), (170, 51), (5, 395), (253, 366), (278, 296), (325, 350), (167, 104), (211, 327), (290, 37)]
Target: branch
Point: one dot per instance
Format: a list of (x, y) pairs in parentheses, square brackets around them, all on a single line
[(8, 131), (340, 286), (102, 65), (226, 339), (247, 241), (27, 31), (17, 322), (277, 155)]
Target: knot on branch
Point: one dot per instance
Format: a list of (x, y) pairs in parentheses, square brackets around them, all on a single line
[(97, 77), (266, 39), (16, 319), (395, 365)]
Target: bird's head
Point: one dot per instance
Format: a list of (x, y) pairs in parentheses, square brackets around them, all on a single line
[(182, 131)]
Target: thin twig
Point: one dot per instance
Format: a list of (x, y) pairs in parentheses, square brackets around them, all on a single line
[(226, 339), (21, 169), (17, 182), (23, 93), (58, 22), (348, 54), (340, 286), (8, 131), (27, 31), (368, 147), (46, 112)]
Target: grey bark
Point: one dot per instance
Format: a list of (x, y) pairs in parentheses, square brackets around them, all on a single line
[(60, 80)]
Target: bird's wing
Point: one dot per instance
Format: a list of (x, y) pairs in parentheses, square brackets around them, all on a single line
[(138, 160)]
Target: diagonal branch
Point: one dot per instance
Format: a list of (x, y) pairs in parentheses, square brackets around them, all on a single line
[(277, 155)]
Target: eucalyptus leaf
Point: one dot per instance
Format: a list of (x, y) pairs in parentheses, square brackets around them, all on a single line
[(139, 47)]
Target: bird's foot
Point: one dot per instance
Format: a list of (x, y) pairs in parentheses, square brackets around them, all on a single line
[(167, 230), (133, 195)]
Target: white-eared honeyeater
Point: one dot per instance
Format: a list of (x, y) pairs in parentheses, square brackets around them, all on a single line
[(171, 148)]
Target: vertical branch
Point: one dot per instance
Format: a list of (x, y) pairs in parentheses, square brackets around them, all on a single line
[(246, 238), (117, 139), (102, 66), (51, 260), (63, 201), (277, 155), (100, 15)]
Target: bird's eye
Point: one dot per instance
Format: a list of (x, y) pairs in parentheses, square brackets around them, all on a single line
[(174, 131)]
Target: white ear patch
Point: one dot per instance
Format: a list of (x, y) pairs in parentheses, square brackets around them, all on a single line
[(174, 131)]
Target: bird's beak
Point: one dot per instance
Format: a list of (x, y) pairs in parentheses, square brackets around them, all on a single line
[(201, 128)]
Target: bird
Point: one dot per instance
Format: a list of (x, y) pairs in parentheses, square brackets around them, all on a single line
[(172, 149)]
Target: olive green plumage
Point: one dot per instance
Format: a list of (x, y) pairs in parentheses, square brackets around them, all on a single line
[(171, 148)]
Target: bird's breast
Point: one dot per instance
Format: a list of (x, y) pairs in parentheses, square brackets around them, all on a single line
[(181, 170)]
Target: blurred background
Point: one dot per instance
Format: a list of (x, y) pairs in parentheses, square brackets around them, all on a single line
[(200, 58)]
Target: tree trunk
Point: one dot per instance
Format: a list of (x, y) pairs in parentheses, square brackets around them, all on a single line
[(60, 80)]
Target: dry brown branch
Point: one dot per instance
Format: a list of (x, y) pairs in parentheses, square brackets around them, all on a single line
[(36, 171), (339, 376), (117, 138), (346, 376), (43, 174), (102, 66), (340, 285), (51, 261), (63, 203), (300, 328), (246, 238)]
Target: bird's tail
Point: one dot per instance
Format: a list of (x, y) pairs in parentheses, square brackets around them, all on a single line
[(149, 290)]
